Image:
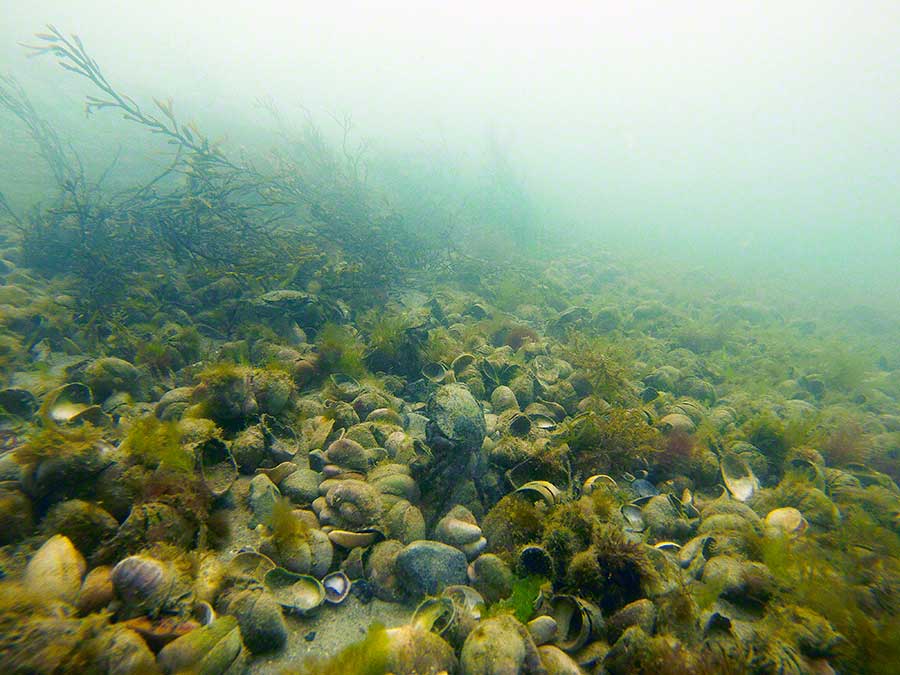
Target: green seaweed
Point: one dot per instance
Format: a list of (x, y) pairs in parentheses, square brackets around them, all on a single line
[(367, 657), (287, 529), (51, 441), (154, 443), (522, 601), (340, 351)]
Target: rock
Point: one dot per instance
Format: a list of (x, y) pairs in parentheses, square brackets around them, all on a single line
[(108, 375), (301, 486), (740, 581), (456, 416), (427, 567), (56, 570), (500, 645), (16, 518), (640, 613), (249, 449), (491, 577)]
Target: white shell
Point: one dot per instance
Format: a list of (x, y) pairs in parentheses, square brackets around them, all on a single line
[(738, 476)]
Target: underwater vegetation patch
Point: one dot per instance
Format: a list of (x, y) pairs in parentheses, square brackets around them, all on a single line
[(340, 351)]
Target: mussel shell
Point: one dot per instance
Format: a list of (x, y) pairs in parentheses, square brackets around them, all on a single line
[(633, 517), (787, 520), (385, 415), (540, 489), (597, 481), (18, 402), (738, 476), (553, 409), (209, 650), (296, 593), (218, 468), (644, 488), (203, 613), (337, 587), (545, 369), (436, 372), (668, 546), (437, 615), (70, 404), (348, 539), (279, 473), (347, 387), (461, 362), (465, 598), (520, 425), (250, 564), (578, 621), (542, 422), (536, 560)]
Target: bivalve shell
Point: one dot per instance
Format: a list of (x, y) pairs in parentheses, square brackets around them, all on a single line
[(348, 539), (218, 468), (786, 520), (209, 650), (296, 593), (337, 587), (738, 476), (540, 489), (250, 564), (143, 583), (578, 621)]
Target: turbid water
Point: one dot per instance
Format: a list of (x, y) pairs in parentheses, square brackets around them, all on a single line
[(572, 347)]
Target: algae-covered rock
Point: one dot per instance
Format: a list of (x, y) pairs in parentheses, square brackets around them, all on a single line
[(500, 645), (301, 486), (85, 524), (427, 567), (457, 417), (638, 613), (108, 375), (412, 651), (16, 515), (491, 577), (249, 449)]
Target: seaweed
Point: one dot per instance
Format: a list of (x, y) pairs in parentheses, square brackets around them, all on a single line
[(366, 657), (287, 529), (767, 433), (522, 601), (614, 440), (49, 442), (612, 572), (602, 361), (340, 351), (154, 443)]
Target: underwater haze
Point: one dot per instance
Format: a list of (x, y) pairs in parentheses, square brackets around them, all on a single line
[(759, 139), (467, 338)]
